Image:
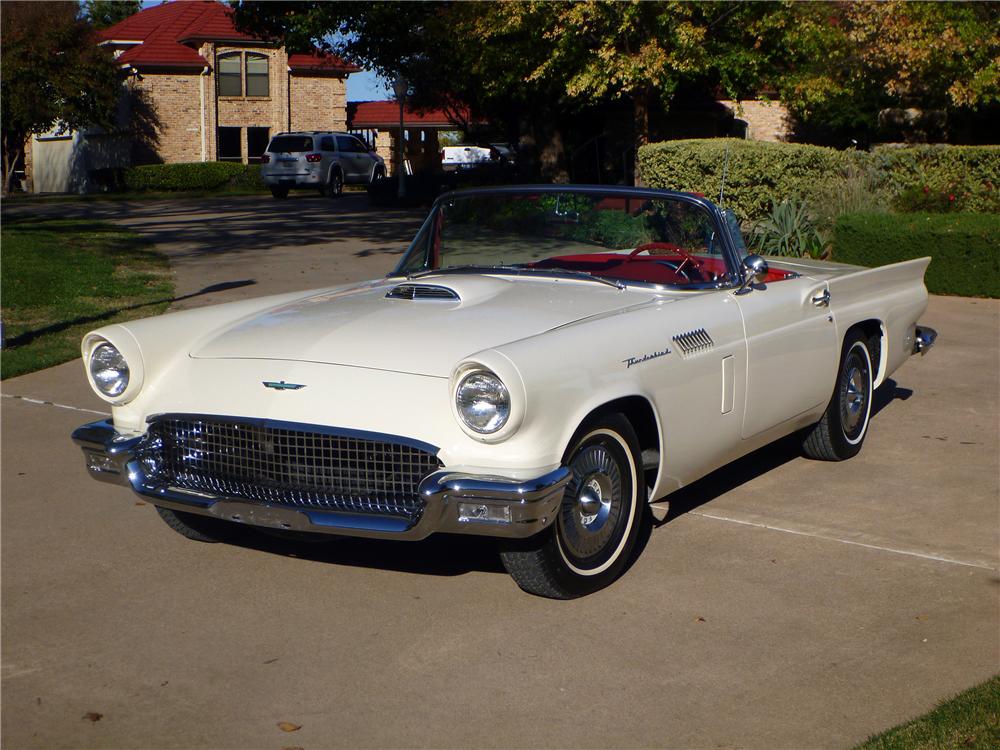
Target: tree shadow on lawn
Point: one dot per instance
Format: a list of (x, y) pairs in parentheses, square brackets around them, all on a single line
[(22, 339)]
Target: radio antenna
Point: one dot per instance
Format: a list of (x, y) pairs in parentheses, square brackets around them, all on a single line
[(725, 170)]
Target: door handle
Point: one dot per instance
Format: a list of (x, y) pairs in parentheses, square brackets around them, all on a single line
[(822, 300)]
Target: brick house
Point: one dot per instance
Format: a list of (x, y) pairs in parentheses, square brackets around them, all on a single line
[(209, 92)]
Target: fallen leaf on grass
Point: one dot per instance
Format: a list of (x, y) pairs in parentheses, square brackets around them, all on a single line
[(92, 716), (921, 617), (287, 726), (700, 619)]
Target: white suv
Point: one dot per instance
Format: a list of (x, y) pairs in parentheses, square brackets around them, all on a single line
[(320, 160)]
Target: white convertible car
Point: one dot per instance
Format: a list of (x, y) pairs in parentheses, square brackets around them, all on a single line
[(545, 366)]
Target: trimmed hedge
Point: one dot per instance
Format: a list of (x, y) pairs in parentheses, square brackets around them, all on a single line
[(208, 175), (759, 171), (965, 247)]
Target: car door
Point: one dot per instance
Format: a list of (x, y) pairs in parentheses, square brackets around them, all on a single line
[(354, 161), (792, 351)]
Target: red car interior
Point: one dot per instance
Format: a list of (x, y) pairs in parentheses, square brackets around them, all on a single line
[(677, 268)]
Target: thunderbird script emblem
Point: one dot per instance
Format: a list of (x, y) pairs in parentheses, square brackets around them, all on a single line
[(281, 385)]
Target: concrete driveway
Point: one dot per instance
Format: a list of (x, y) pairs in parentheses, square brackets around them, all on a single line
[(786, 603)]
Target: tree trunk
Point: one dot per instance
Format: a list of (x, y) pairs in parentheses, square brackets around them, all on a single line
[(640, 103), (13, 152)]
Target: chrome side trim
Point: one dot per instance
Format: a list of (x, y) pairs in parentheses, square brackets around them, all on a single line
[(532, 503), (923, 339)]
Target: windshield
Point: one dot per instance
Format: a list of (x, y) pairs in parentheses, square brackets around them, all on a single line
[(616, 236)]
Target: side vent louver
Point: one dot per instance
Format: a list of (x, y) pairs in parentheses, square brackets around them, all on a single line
[(693, 342), (422, 292)]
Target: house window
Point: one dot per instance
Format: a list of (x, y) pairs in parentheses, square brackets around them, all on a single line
[(230, 76), (257, 83), (229, 148), (256, 143)]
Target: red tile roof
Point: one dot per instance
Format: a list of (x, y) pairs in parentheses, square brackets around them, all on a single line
[(319, 60), (386, 113), (168, 35)]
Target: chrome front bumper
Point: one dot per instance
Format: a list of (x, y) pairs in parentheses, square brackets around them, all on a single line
[(454, 502)]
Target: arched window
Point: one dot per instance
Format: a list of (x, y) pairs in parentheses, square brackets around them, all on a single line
[(257, 80), (230, 75)]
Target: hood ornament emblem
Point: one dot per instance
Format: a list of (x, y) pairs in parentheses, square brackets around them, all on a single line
[(281, 385)]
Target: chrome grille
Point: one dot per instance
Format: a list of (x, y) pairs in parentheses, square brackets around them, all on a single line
[(287, 464)]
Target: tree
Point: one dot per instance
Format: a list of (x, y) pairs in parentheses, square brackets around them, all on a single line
[(53, 72), (104, 13), (846, 62), (540, 60)]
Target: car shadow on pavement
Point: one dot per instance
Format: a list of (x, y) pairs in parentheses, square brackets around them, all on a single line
[(761, 461), (438, 555)]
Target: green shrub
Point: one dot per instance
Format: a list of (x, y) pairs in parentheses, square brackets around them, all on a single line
[(757, 170), (787, 230), (970, 173), (830, 181), (248, 178), (965, 247), (208, 175)]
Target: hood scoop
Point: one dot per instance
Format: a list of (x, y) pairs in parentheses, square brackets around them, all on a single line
[(423, 292)]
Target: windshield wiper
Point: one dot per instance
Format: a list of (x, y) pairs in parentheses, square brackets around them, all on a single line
[(519, 271)]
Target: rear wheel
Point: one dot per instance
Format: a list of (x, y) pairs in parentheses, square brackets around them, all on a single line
[(603, 508), (841, 432), (335, 185), (279, 192)]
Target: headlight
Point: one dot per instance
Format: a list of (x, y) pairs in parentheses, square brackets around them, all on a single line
[(483, 402), (109, 370)]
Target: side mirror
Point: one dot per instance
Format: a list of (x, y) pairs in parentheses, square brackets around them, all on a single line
[(754, 272)]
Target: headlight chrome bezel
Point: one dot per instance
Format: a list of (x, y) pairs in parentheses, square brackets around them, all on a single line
[(127, 351), (509, 379)]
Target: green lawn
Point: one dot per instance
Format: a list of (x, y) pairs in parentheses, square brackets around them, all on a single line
[(969, 721), (62, 278)]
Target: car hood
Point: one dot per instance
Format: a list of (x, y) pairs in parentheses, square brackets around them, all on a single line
[(448, 318)]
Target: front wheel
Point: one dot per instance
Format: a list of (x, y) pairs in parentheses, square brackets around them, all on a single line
[(378, 173), (193, 526), (591, 541), (841, 432)]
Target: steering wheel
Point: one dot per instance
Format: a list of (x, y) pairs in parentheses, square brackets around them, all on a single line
[(688, 258)]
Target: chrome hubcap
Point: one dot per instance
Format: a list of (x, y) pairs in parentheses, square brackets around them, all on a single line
[(593, 503), (854, 395)]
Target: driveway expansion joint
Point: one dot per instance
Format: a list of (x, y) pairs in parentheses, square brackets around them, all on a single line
[(43, 402), (893, 550)]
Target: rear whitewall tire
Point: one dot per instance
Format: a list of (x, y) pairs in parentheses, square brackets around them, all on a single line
[(841, 432)]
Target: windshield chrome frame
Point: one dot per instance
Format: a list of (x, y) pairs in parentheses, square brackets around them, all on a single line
[(730, 280)]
